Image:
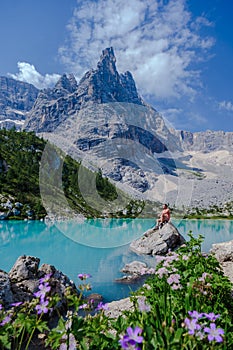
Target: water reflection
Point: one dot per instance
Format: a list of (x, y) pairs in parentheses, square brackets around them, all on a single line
[(214, 231)]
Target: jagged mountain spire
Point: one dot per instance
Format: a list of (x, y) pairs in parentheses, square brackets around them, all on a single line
[(101, 85), (105, 84), (67, 83)]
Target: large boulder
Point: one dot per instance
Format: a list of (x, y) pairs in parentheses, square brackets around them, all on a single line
[(158, 241), (224, 254), (23, 280)]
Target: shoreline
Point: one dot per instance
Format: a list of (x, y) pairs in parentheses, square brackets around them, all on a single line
[(185, 217)]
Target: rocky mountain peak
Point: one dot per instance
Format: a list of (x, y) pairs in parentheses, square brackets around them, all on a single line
[(107, 61), (105, 85), (67, 83)]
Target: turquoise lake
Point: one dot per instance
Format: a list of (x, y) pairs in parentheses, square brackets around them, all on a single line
[(99, 247)]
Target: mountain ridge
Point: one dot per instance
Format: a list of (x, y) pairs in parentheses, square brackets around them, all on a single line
[(105, 123), (20, 101)]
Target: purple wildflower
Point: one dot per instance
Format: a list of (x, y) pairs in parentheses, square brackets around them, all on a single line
[(162, 272), (68, 324), (143, 271), (72, 342), (102, 306), (176, 286), (204, 276), (17, 304), (160, 258), (174, 278), (1, 307), (45, 278), (200, 335), (185, 257), (170, 258), (84, 276), (212, 317), (83, 306), (6, 320), (42, 307), (195, 314), (214, 333), (142, 305), (43, 289), (192, 325), (131, 339), (63, 345)]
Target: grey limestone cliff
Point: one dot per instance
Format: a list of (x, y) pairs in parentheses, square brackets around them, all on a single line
[(207, 141), (101, 85), (16, 99)]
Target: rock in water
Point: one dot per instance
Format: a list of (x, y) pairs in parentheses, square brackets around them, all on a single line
[(158, 242)]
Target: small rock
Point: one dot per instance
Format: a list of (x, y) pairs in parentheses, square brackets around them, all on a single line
[(129, 278), (115, 308), (134, 267)]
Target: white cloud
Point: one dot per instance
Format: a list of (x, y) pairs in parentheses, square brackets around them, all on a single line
[(28, 73), (158, 41), (227, 105)]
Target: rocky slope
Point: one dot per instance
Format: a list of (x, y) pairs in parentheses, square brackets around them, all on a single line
[(16, 98), (206, 141)]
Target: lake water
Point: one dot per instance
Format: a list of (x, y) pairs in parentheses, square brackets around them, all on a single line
[(99, 247)]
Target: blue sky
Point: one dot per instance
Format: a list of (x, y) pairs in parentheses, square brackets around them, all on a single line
[(180, 52)]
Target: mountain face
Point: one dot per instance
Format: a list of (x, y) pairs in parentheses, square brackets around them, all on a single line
[(16, 98), (102, 85), (207, 141), (105, 123)]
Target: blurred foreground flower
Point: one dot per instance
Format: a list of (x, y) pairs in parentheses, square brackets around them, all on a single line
[(131, 339)]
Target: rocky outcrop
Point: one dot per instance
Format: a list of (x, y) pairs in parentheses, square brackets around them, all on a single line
[(23, 281), (158, 241), (206, 141), (116, 308), (16, 99), (224, 254)]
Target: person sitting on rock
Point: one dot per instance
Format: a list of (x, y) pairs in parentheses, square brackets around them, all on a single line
[(164, 217)]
